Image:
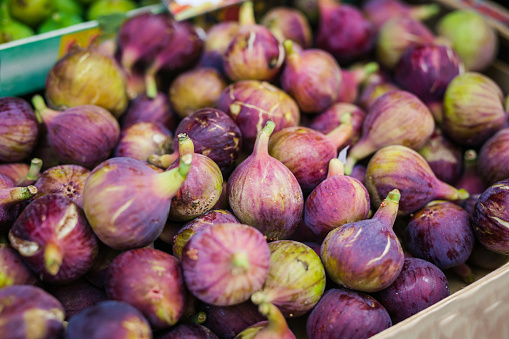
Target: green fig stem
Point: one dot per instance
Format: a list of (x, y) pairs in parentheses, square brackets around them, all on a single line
[(40, 106), (258, 297), (362, 72), (359, 150), (277, 322), (186, 145), (288, 45), (53, 257), (447, 192), (339, 135), (423, 12), (150, 82), (5, 16), (14, 195), (464, 272), (388, 210), (240, 263), (169, 182), (262, 139), (246, 14), (163, 161), (463, 194), (197, 319), (336, 167), (33, 173)]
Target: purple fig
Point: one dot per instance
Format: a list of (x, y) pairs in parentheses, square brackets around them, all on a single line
[(14, 270), (30, 312), (15, 171), (312, 77), (380, 11), (145, 109), (10, 198), (98, 273), (374, 87), (351, 79), (343, 313), (18, 130), (472, 109), (275, 327), (490, 218), (409, 121), (159, 295), (99, 130), (471, 180), (190, 331), (55, 239), (263, 192), (419, 285), (336, 201), (44, 152), (219, 37), (288, 23), (403, 168), (67, 180), (143, 139), (365, 255), (296, 279), (109, 319), (493, 161), (359, 173), (251, 103), (195, 89), (484, 258), (225, 263)]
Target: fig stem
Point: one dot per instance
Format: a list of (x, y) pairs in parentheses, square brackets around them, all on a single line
[(14, 195), (198, 318), (150, 82), (335, 168), (53, 257), (339, 135), (258, 297), (262, 139), (186, 145), (40, 106), (424, 12), (464, 272), (288, 44), (163, 161), (240, 262), (169, 182), (448, 192), (388, 209), (277, 322), (33, 173), (360, 150), (246, 14)]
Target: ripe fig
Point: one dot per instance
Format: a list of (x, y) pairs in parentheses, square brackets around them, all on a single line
[(100, 8), (58, 20), (14, 270), (219, 37), (11, 29), (274, 327), (145, 109), (374, 87), (31, 12), (380, 11), (11, 198), (142, 139), (493, 161), (15, 171), (352, 78), (288, 23)]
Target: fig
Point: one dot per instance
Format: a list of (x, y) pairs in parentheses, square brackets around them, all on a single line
[(142, 139), (70, 82), (99, 130), (127, 203), (359, 173), (409, 121), (403, 168), (30, 312), (374, 87), (419, 285), (494, 158), (58, 20), (68, 6), (67, 180), (263, 192), (352, 78), (224, 264), (296, 279), (472, 109), (11, 29), (111, 319), (145, 109), (16, 171), (30, 12), (486, 259), (102, 8), (219, 37), (11, 198), (365, 255), (195, 89), (18, 131), (342, 313), (274, 327), (312, 77), (336, 201), (380, 11), (194, 331), (288, 23), (254, 52), (14, 270), (471, 180)]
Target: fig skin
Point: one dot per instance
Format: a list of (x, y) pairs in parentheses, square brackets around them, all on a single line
[(191, 331), (219, 37), (288, 23), (493, 161), (145, 109), (15, 171), (25, 305), (374, 87), (109, 319), (351, 80), (142, 139), (55, 239), (234, 258), (159, 295), (273, 328), (14, 270), (419, 285), (19, 130), (342, 313)]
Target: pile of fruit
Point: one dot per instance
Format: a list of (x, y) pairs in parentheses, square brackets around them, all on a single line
[(326, 162)]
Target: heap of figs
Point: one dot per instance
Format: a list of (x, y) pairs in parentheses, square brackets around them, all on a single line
[(333, 163)]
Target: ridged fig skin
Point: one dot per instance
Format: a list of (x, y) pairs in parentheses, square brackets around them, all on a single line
[(142, 139), (18, 131), (225, 263), (288, 23), (251, 103), (150, 280), (109, 319), (441, 234), (342, 313), (472, 109), (54, 220), (14, 269), (219, 37), (493, 161), (490, 219), (30, 312), (145, 109), (419, 285), (188, 331)]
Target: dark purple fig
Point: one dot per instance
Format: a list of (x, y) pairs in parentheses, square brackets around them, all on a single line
[(212, 217), (365, 255), (150, 280), (263, 192), (441, 234), (14, 270), (145, 109), (18, 130), (83, 135), (486, 259), (225, 263), (77, 79), (490, 218), (11, 198), (109, 319), (55, 239), (215, 135), (352, 78), (380, 11), (143, 139), (374, 87), (190, 331), (419, 285), (219, 37), (254, 52), (67, 180), (395, 118), (98, 273), (127, 203), (336, 201), (251, 103), (444, 157), (312, 77), (195, 89), (403, 168), (296, 279), (471, 180), (273, 328), (472, 109), (343, 313), (493, 161), (288, 23), (30, 312)]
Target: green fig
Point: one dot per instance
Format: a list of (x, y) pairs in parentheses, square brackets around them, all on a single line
[(68, 7), (30, 12), (59, 20), (11, 29), (107, 7)]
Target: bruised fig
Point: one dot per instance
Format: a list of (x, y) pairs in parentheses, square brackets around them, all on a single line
[(217, 41), (380, 11), (365, 255), (225, 263), (55, 239), (273, 328), (10, 199), (263, 192), (493, 162), (288, 23), (14, 270), (142, 139)]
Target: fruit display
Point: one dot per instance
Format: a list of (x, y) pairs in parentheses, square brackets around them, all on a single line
[(297, 169)]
